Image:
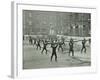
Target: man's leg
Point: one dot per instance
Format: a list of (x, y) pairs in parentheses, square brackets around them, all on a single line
[(85, 49), (42, 50), (46, 50), (37, 47), (69, 52), (40, 47), (55, 57), (33, 45), (52, 56), (82, 49), (31, 42), (58, 48), (72, 52), (62, 49)]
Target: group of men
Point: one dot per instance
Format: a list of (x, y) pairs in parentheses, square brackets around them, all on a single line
[(56, 44)]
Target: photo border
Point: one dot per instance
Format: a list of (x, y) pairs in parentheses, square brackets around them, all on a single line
[(16, 63)]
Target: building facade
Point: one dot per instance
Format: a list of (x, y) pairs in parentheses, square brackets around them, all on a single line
[(54, 23)]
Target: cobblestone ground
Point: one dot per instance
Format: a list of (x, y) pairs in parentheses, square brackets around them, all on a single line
[(33, 59)]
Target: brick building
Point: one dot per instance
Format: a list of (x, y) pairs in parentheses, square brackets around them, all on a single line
[(64, 23)]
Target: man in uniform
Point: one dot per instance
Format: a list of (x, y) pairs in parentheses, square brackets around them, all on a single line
[(60, 44), (54, 46), (34, 42), (30, 40), (38, 44), (71, 47), (89, 41), (44, 46), (83, 46)]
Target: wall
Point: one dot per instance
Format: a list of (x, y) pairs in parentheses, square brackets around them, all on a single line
[(5, 39)]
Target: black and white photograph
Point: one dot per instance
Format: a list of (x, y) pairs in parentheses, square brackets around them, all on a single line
[(55, 39)]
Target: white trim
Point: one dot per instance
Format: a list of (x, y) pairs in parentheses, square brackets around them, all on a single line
[(14, 42)]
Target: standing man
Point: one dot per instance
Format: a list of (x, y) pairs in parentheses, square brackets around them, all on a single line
[(83, 45), (63, 41), (54, 46), (23, 37), (34, 42), (71, 47), (44, 46), (60, 44), (30, 40), (90, 41), (38, 44)]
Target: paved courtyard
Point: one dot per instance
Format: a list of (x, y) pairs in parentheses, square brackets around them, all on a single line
[(33, 59)]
